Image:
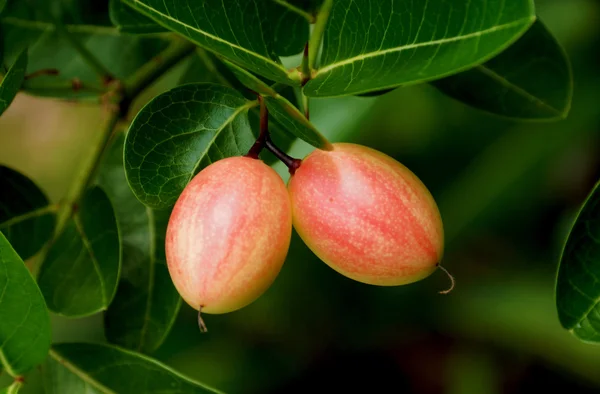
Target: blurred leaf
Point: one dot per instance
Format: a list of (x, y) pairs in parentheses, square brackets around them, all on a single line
[(16, 386), (376, 93), (79, 274), (25, 323), (130, 21), (99, 368), (292, 120), (179, 133), (236, 29), (26, 217), (530, 80), (364, 50), (12, 81), (24, 25), (2, 5), (146, 304), (577, 284), (206, 67), (528, 146), (290, 30)]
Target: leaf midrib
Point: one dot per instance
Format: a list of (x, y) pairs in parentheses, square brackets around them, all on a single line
[(151, 273), (88, 245), (29, 215), (149, 11), (373, 54), (517, 89), (235, 114), (79, 373)]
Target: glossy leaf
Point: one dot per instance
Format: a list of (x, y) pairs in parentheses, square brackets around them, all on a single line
[(26, 217), (290, 30), (208, 68), (578, 281), (372, 45), (99, 368), (291, 119), (205, 67), (530, 80), (12, 81), (25, 323), (130, 21), (235, 29), (79, 275), (146, 304), (180, 132), (282, 111), (250, 81)]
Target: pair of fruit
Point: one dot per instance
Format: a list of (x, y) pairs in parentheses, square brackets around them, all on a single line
[(360, 211)]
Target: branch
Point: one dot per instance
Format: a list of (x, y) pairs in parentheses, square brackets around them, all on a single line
[(103, 73)]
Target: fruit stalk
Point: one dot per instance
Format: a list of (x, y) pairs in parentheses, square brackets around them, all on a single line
[(264, 141)]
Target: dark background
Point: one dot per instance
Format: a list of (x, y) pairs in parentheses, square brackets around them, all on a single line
[(507, 191)]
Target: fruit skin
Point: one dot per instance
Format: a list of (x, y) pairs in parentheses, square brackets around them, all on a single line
[(366, 215), (228, 234)]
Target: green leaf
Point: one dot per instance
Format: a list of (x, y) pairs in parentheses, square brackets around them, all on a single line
[(23, 25), (250, 81), (146, 304), (205, 67), (530, 80), (130, 21), (13, 388), (179, 133), (25, 323), (12, 81), (79, 275), (290, 30), (281, 110), (292, 120), (578, 284), (99, 368), (235, 29), (371, 45), (26, 217)]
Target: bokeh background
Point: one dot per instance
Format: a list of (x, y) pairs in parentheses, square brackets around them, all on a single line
[(507, 192)]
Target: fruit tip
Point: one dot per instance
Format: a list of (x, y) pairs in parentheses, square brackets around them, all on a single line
[(452, 280), (201, 324)]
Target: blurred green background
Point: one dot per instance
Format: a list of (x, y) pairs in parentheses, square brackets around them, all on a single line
[(507, 192)]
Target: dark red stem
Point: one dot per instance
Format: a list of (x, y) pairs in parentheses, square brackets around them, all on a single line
[(45, 71), (264, 141)]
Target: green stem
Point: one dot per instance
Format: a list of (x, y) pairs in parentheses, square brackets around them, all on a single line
[(317, 35), (155, 68), (307, 15), (104, 74), (141, 79), (88, 169)]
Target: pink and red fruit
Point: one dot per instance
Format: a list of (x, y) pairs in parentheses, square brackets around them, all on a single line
[(366, 215), (228, 234)]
